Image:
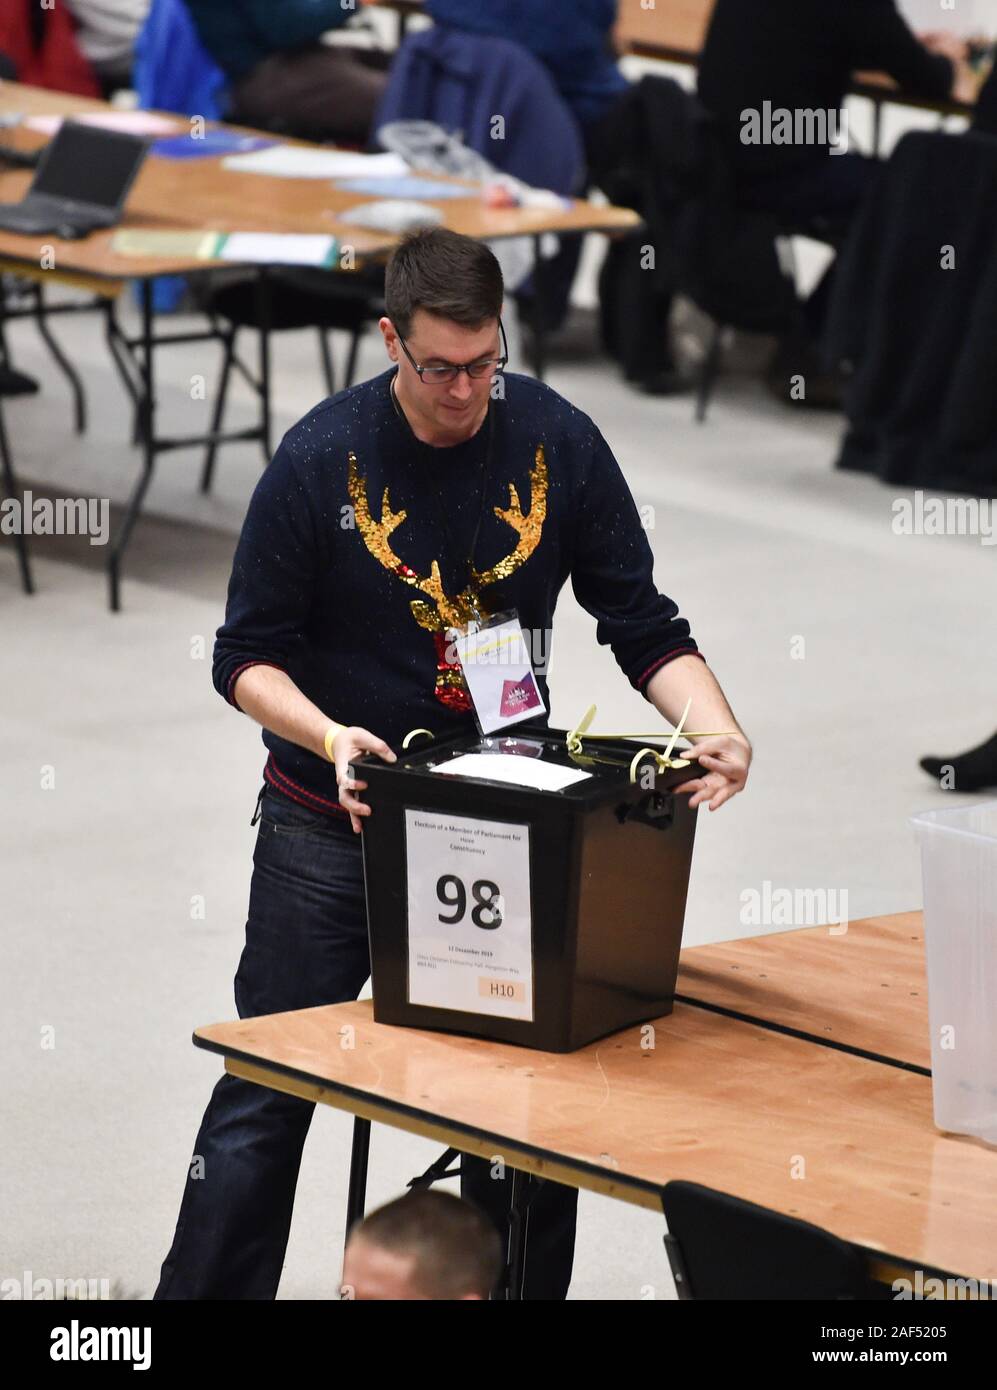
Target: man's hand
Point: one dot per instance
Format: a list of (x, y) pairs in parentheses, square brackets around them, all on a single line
[(348, 743), (726, 761), (724, 757)]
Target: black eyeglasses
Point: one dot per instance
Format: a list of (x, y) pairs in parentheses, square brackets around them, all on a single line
[(477, 371)]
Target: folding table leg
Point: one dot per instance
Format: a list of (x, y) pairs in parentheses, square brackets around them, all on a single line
[(218, 417), (10, 486), (63, 362), (539, 331), (327, 368), (437, 1171), (146, 413), (351, 361), (264, 294), (357, 1197), (877, 125), (519, 1201), (114, 336)]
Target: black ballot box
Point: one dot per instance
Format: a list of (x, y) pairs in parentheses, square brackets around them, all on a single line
[(546, 910)]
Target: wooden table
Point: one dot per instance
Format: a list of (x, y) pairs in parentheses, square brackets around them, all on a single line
[(203, 195), (730, 1102), (862, 990)]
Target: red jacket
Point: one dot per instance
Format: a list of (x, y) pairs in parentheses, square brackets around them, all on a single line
[(41, 43)]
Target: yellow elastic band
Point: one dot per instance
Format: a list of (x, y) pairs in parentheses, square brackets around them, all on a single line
[(412, 733), (330, 739), (663, 761)]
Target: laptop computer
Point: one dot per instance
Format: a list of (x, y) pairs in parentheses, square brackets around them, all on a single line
[(81, 182)]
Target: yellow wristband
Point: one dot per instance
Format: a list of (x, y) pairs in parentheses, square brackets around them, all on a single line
[(330, 739)]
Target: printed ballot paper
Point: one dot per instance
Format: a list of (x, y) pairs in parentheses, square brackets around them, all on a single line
[(510, 767), (470, 928)]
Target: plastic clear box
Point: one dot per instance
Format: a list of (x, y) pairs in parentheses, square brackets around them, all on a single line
[(959, 870)]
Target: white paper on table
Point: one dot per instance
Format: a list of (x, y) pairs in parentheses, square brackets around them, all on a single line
[(510, 767), (277, 248), (302, 162), (130, 122)]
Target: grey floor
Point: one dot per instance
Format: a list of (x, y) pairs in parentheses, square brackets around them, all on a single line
[(106, 972)]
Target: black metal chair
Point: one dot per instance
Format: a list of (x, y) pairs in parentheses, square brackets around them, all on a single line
[(720, 1247), (831, 234), (286, 300)]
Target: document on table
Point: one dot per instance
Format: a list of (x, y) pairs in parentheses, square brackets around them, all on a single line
[(252, 248), (304, 162), (279, 248), (409, 186), (130, 122), (165, 245), (510, 767)]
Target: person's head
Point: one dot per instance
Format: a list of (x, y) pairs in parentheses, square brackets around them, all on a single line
[(443, 296), (426, 1245)]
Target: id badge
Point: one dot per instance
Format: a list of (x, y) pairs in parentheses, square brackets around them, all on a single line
[(495, 660)]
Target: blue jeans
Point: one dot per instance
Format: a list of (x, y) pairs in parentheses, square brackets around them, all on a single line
[(306, 945)]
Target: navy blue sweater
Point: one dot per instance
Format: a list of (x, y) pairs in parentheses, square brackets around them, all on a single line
[(342, 595)]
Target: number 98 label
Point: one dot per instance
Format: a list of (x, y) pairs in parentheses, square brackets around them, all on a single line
[(470, 933)]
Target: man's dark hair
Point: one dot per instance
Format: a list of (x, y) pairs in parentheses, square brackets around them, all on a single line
[(456, 1248), (446, 274)]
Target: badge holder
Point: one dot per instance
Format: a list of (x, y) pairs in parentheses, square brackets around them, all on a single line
[(495, 661)]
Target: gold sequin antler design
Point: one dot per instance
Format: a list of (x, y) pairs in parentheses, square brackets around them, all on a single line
[(527, 525), (442, 612), (377, 538)]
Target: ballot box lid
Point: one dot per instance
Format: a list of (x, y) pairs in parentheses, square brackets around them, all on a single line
[(528, 762)]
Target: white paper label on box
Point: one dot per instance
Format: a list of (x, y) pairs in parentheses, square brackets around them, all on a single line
[(470, 930)]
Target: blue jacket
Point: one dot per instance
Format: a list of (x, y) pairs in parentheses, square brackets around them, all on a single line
[(239, 34), (463, 83), (172, 70), (570, 38)]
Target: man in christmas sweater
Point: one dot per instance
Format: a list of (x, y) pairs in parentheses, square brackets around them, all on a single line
[(440, 491)]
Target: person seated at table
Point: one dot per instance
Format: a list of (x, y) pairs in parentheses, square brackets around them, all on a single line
[(283, 77), (39, 47), (574, 41), (425, 1245), (106, 31), (572, 38), (800, 57)]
